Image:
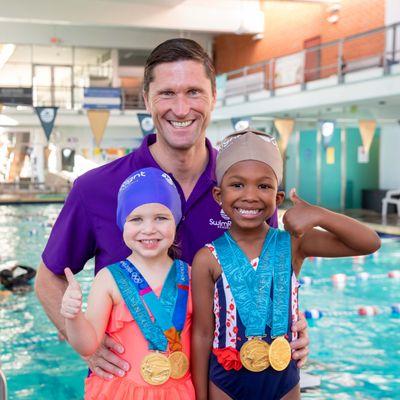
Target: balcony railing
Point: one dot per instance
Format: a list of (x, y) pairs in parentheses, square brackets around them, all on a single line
[(375, 48), (63, 85)]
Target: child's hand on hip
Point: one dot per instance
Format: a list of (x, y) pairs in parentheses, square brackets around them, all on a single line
[(72, 300), (301, 217)]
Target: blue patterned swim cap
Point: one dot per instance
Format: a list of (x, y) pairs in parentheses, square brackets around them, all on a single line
[(144, 186)]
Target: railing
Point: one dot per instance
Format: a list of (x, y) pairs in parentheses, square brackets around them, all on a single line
[(3, 386), (72, 97), (375, 48), (68, 92)]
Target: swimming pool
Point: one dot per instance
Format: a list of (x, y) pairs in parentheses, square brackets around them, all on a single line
[(356, 357)]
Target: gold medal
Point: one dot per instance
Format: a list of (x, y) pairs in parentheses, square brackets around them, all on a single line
[(280, 354), (155, 368), (254, 355), (179, 364)]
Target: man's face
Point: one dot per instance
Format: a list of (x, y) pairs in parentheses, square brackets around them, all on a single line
[(180, 100)]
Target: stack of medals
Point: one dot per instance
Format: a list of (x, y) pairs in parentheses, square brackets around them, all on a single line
[(251, 291), (169, 313)]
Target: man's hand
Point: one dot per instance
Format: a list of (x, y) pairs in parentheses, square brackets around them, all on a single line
[(71, 303), (301, 217), (105, 363), (300, 345)]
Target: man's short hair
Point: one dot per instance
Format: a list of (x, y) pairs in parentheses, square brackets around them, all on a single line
[(178, 49)]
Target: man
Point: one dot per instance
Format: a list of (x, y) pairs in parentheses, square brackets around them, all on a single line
[(179, 92)]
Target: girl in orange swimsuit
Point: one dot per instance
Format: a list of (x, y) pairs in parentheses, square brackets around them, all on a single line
[(143, 302)]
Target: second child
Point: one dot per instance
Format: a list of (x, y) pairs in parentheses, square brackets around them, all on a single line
[(244, 283)]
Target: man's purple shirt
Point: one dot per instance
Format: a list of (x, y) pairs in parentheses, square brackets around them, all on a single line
[(87, 228)]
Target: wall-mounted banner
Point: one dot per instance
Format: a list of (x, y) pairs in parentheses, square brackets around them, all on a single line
[(289, 70), (16, 96), (285, 129), (102, 98), (146, 124), (330, 155), (241, 123), (367, 131), (47, 117), (98, 120)]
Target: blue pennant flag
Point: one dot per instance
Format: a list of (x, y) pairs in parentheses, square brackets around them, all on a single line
[(47, 116), (146, 124), (241, 123)]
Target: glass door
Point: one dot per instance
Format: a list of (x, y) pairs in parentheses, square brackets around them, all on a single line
[(52, 85)]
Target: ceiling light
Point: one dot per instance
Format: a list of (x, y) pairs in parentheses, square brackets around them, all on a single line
[(327, 128)]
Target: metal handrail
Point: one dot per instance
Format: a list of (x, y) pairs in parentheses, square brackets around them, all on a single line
[(3, 386), (132, 99), (336, 58)]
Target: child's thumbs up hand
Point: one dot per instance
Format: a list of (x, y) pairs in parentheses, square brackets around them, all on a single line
[(294, 197), (72, 300), (301, 217)]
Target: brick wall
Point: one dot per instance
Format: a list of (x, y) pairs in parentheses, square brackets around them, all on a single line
[(289, 24)]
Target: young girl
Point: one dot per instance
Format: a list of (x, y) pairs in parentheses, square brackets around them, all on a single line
[(143, 302), (244, 283)]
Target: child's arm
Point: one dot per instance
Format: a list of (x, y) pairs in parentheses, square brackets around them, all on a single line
[(203, 319), (85, 332), (343, 236)]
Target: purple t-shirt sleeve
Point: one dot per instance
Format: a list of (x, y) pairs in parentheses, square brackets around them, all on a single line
[(273, 221), (72, 241)]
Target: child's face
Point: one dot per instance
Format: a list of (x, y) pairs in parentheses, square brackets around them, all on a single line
[(149, 230), (249, 193)]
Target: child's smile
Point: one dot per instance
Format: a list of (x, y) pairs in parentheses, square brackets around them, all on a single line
[(248, 212)]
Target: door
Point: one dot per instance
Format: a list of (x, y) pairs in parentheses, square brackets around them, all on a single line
[(312, 59), (52, 85)]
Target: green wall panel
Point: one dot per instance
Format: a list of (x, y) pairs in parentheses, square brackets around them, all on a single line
[(331, 173), (308, 166), (358, 175), (290, 166)]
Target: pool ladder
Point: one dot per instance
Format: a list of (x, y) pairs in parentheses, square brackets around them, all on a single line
[(3, 386)]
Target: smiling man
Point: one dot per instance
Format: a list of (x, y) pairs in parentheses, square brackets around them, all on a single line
[(179, 92)]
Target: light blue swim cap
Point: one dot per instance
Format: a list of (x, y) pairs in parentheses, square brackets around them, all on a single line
[(147, 185)]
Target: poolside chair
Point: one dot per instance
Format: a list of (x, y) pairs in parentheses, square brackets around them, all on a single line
[(392, 197)]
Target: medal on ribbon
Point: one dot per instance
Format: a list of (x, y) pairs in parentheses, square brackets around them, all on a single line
[(251, 290), (169, 313)]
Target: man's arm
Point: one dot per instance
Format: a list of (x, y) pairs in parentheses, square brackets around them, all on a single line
[(300, 345), (50, 289)]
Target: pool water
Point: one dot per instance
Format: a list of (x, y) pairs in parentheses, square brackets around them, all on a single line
[(356, 357)]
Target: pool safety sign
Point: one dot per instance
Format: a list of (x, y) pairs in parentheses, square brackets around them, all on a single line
[(102, 98), (47, 117), (146, 123), (16, 96)]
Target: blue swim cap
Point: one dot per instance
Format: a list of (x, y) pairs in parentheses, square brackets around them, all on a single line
[(147, 185)]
